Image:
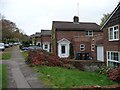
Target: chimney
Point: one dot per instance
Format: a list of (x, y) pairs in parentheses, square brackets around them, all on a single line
[(76, 19)]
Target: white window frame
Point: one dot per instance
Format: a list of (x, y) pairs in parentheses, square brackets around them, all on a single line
[(109, 57), (88, 33), (113, 35), (82, 48), (48, 46), (92, 47)]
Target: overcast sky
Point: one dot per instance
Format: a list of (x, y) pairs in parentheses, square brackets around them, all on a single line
[(33, 15)]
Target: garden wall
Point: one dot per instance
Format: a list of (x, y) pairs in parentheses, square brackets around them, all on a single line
[(87, 65)]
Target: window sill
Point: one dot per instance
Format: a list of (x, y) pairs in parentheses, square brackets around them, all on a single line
[(114, 40), (113, 61)]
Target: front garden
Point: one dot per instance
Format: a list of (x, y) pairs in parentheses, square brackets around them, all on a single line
[(6, 55), (59, 77), (58, 73), (3, 76)]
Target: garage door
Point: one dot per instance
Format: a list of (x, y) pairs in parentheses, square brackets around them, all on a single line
[(100, 53)]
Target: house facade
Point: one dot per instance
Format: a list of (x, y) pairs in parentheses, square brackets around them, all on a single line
[(111, 41), (36, 39), (76, 34), (42, 39), (46, 40)]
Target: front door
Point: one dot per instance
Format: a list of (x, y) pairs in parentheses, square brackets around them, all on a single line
[(100, 53), (63, 50)]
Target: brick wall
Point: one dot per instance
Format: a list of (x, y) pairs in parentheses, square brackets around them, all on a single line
[(77, 38), (81, 40), (110, 45), (46, 38)]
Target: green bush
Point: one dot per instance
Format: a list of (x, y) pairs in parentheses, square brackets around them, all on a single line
[(71, 51), (104, 70)]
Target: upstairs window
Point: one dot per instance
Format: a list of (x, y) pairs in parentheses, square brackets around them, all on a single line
[(89, 33), (82, 47), (113, 33)]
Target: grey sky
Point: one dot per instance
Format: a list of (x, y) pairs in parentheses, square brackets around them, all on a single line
[(33, 15)]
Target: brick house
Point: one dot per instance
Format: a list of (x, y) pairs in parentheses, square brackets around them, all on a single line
[(42, 39), (46, 40), (111, 35), (36, 39), (78, 34)]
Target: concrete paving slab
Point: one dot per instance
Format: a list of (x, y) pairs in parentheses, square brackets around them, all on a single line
[(19, 79)]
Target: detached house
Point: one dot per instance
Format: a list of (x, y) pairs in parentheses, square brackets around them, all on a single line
[(111, 41), (76, 36)]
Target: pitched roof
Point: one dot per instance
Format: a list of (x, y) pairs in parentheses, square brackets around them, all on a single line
[(45, 32), (62, 25), (37, 34), (111, 15)]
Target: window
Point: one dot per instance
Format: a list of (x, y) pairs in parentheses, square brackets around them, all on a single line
[(89, 33), (113, 58), (63, 49), (92, 47), (113, 33), (46, 46), (82, 47)]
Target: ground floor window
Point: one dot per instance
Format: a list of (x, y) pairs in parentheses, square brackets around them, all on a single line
[(113, 58), (82, 47)]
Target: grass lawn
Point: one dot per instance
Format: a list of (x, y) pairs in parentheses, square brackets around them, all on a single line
[(3, 76), (25, 54), (66, 78), (6, 55)]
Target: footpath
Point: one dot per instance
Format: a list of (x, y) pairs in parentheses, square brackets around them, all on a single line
[(19, 74)]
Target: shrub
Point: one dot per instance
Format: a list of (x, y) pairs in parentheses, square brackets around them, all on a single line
[(71, 51), (114, 74), (104, 70), (41, 57)]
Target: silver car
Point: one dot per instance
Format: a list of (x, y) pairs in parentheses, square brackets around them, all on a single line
[(34, 48), (2, 46)]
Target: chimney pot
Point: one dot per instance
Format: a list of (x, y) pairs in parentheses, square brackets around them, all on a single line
[(76, 19)]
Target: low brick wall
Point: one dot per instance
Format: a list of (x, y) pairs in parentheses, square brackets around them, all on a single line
[(110, 87), (88, 65)]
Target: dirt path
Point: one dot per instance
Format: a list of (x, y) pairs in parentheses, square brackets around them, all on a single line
[(21, 75)]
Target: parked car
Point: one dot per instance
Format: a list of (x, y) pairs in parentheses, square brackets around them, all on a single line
[(24, 48), (34, 48), (16, 43), (2, 47), (7, 45), (11, 44)]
